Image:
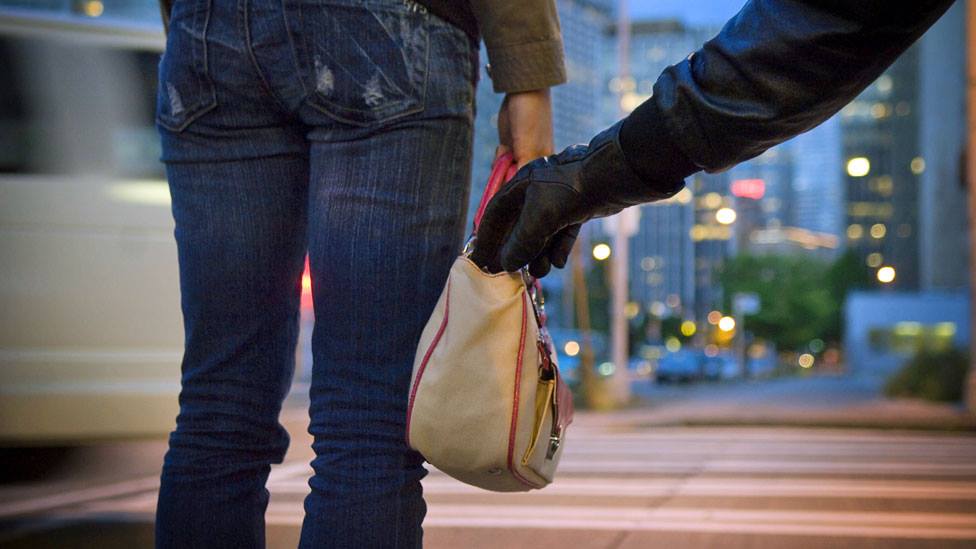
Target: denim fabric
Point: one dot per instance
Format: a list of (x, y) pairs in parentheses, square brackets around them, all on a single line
[(332, 127)]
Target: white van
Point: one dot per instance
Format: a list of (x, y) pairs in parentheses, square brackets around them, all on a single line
[(90, 327)]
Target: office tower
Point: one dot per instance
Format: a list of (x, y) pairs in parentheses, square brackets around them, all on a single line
[(664, 250), (712, 241), (943, 228), (818, 184), (883, 165)]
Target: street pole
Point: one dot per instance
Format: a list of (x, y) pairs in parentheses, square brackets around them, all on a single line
[(621, 233), (591, 393), (970, 393)]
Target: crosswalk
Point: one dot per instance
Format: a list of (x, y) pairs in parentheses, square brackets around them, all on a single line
[(753, 481), (728, 484)]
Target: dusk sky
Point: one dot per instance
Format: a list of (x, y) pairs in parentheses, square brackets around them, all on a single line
[(695, 12)]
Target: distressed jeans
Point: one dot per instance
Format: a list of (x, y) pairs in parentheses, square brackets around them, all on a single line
[(340, 129)]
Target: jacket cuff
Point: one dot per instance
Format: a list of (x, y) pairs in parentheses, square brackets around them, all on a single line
[(526, 67), (649, 148)]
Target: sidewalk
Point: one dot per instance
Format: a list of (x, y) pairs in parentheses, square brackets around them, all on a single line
[(832, 401)]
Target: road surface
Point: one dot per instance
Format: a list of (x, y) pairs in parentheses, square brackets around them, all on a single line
[(620, 486)]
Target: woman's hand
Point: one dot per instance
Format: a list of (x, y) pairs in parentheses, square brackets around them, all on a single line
[(525, 126)]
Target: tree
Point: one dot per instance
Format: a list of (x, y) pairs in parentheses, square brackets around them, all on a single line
[(801, 297), (847, 273)]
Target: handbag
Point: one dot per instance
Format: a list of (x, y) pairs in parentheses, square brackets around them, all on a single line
[(487, 404)]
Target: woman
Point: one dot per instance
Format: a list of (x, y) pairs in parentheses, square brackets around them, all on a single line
[(341, 129)]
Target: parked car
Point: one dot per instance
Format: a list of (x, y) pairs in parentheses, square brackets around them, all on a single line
[(721, 366), (680, 366)]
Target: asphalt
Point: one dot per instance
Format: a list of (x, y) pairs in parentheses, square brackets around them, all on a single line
[(812, 401), (643, 477)]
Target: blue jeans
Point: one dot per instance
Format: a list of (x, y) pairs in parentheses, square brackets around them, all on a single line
[(340, 129)]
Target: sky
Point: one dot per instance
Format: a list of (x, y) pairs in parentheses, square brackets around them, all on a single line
[(693, 12)]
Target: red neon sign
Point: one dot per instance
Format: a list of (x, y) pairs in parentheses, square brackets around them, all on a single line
[(749, 188)]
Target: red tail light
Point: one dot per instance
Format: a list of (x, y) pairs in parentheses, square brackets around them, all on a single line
[(306, 286)]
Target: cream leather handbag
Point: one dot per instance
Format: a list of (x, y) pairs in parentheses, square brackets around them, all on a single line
[(487, 404)]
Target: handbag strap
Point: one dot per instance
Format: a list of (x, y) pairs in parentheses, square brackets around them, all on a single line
[(501, 171)]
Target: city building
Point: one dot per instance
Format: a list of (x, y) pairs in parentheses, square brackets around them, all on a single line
[(883, 329), (943, 226), (818, 184), (713, 241), (677, 244), (662, 257), (883, 168), (790, 198)]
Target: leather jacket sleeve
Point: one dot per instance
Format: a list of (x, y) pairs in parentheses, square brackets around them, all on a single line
[(777, 69)]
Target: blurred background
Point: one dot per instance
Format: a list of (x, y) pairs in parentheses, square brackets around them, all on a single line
[(823, 285)]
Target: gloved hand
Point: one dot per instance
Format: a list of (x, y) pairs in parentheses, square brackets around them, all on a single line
[(535, 217)]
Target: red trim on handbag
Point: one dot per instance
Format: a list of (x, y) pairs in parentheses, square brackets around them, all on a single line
[(501, 171), (430, 351), (515, 405)]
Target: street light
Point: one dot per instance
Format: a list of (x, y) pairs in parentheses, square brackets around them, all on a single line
[(672, 344), (572, 348), (725, 216), (726, 324), (714, 317), (886, 274), (917, 165), (712, 200), (93, 8), (858, 166), (688, 328), (601, 251)]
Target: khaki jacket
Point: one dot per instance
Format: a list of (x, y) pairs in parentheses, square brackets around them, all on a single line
[(525, 45), (524, 42)]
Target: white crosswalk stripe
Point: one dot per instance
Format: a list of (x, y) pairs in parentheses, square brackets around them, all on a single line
[(719, 472), (736, 481)]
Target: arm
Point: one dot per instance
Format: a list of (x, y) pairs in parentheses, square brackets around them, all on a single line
[(524, 43), (777, 69), (525, 51)]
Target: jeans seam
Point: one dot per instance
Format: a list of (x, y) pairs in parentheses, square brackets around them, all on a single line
[(291, 47), (246, 24)]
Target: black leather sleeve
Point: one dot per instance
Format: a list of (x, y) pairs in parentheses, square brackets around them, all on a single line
[(777, 69)]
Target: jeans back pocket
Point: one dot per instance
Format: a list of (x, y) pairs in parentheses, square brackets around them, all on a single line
[(186, 90), (368, 60)]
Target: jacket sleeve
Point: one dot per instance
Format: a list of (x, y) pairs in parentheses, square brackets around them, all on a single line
[(525, 46), (777, 69)]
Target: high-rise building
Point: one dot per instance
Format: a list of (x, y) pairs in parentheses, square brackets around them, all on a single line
[(818, 184), (762, 193), (776, 203), (662, 257), (663, 252), (943, 228), (713, 241), (883, 164)]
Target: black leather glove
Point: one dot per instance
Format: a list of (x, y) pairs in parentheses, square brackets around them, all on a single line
[(535, 217)]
